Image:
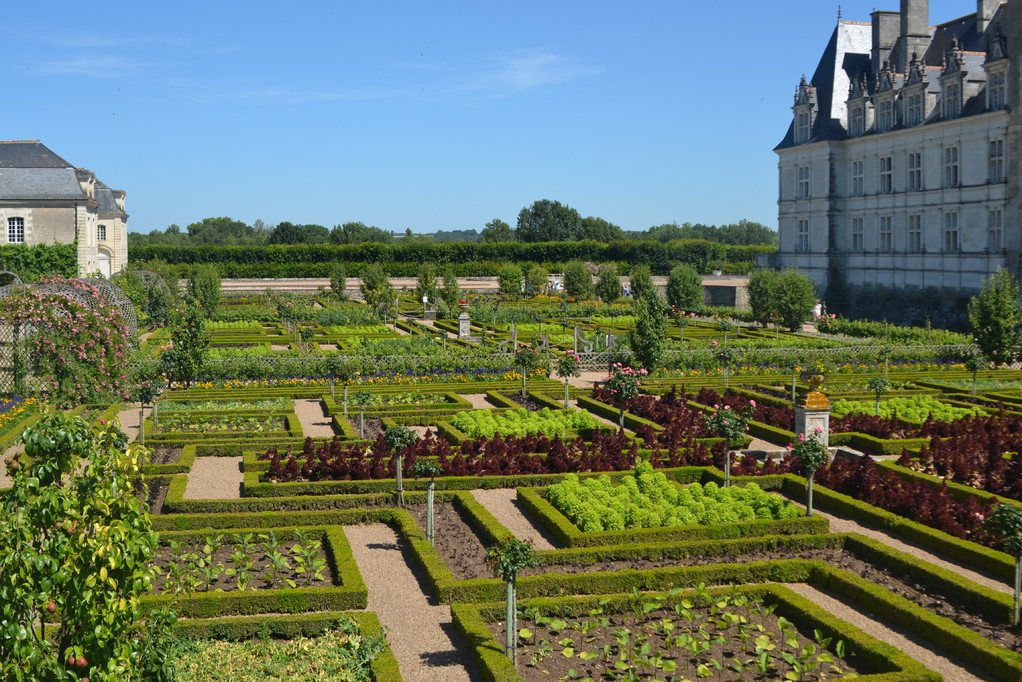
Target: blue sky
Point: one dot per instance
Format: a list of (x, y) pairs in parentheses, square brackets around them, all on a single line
[(440, 115)]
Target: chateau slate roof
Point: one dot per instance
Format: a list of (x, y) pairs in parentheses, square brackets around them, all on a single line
[(847, 57), (29, 154), (39, 184)]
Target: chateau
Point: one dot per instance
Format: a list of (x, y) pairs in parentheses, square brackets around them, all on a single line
[(900, 176), (44, 199)]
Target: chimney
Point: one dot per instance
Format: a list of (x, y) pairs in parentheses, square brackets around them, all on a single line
[(885, 34), (984, 13), (915, 31), (915, 18)]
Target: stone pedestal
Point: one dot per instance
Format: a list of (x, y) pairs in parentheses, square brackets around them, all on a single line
[(808, 419), (464, 326)]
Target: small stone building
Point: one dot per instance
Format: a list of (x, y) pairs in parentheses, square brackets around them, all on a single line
[(46, 200)]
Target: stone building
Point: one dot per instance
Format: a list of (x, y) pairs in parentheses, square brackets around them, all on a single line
[(45, 200), (899, 175)]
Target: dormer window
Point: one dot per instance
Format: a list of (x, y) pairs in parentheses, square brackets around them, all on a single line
[(885, 116), (952, 99), (997, 90), (802, 127), (914, 109), (857, 121)]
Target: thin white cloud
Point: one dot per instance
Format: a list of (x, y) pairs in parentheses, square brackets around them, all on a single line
[(91, 67), (529, 70)]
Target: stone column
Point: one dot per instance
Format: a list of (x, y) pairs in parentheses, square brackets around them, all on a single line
[(464, 326)]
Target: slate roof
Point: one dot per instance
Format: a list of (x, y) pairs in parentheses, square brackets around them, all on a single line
[(847, 57), (27, 184), (29, 154), (107, 204)]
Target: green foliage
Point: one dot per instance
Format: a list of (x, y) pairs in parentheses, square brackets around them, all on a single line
[(41, 260), (426, 284), (763, 292), (77, 350), (340, 654), (608, 284), (76, 542), (648, 500), (509, 279), (522, 422), (204, 287), (359, 233), (451, 293), (398, 438), (497, 231), (640, 279), (650, 334), (684, 288), (810, 451), (728, 423), (509, 557), (915, 408), (624, 382), (796, 297), (996, 318), (548, 221), (578, 281), (338, 282), (190, 341), (289, 233), (426, 467), (151, 297), (1006, 520), (744, 232), (536, 279), (377, 289), (568, 366)]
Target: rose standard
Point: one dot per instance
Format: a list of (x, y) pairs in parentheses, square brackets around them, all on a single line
[(813, 455), (729, 424), (624, 385), (568, 366)]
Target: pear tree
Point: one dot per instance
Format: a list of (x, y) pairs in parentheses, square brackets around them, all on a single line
[(398, 438), (507, 558), (427, 467)]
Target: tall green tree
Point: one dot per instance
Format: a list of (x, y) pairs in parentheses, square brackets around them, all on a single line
[(536, 279), (599, 230), (426, 283), (578, 281), (204, 287), (376, 288), (190, 344), (650, 334), (497, 231), (996, 318), (289, 233), (451, 293), (548, 221), (684, 288), (509, 279), (796, 297), (359, 233), (339, 282), (640, 280), (608, 284), (763, 292), (222, 232)]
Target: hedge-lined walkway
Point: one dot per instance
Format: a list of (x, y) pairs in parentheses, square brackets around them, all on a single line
[(129, 420), (315, 423), (420, 632), (840, 524), (215, 478), (502, 503), (950, 668)]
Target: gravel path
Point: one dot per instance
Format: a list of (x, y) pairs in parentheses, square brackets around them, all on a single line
[(215, 478), (840, 524), (503, 504), (314, 421), (420, 632), (951, 669), (129, 419), (478, 401), (574, 404)]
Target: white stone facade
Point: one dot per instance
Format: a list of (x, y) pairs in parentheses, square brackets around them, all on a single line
[(876, 193)]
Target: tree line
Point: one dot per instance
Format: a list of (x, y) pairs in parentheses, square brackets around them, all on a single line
[(542, 221)]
